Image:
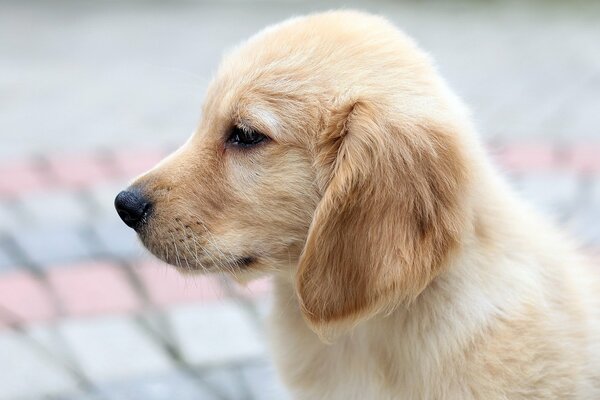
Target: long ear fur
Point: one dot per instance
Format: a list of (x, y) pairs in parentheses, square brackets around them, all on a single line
[(393, 207)]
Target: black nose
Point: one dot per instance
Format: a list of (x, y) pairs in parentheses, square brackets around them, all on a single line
[(132, 207)]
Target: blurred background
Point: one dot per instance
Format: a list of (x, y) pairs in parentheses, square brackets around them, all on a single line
[(94, 92)]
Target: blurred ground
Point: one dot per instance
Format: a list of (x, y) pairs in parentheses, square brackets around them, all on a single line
[(93, 93)]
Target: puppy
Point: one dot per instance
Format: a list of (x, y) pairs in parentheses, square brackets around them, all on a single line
[(332, 156)]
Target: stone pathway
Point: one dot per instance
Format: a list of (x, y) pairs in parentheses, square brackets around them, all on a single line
[(94, 93)]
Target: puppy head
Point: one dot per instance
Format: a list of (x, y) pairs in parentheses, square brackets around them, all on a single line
[(329, 150)]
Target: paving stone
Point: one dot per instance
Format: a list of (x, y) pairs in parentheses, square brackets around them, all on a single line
[(117, 239), (174, 385), (153, 320), (263, 382), (226, 381), (28, 374), (7, 262), (103, 198), (9, 220), (215, 333), (256, 288), (552, 193), (585, 158), (162, 103), (79, 170), (24, 299), (165, 286), (20, 176), (538, 156), (47, 340), (132, 164), (585, 224), (113, 347), (263, 306), (46, 246), (595, 193), (55, 208), (92, 288)]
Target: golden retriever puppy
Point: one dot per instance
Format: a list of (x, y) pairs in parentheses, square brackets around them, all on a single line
[(332, 156)]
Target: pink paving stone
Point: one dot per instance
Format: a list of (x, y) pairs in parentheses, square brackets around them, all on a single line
[(256, 288), (166, 286), (93, 288), (133, 163), (584, 158), (594, 254), (20, 176), (527, 157), (25, 298), (79, 170)]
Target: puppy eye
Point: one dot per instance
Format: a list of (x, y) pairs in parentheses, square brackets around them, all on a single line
[(244, 137)]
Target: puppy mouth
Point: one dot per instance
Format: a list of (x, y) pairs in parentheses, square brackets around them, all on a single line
[(187, 256), (212, 266), (201, 262)]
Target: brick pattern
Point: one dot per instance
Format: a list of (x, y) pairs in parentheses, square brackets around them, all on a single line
[(29, 374), (62, 217), (76, 279), (74, 172), (230, 332), (93, 288), (173, 385), (145, 340), (101, 344)]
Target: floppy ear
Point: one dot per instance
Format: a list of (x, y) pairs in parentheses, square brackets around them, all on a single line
[(391, 211)]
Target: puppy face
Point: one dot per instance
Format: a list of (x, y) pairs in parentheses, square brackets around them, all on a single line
[(239, 195), (328, 149)]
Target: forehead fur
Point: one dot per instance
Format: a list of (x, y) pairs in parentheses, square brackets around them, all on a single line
[(294, 70)]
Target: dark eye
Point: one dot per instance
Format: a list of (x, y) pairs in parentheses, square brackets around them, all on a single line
[(244, 137)]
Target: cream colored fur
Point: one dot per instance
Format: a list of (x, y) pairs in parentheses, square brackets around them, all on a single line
[(404, 266)]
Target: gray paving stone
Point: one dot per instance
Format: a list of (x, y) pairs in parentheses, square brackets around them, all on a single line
[(595, 193), (551, 193), (113, 347), (263, 382), (585, 225), (215, 333), (263, 306), (7, 262), (46, 337), (47, 246), (117, 239), (28, 374), (9, 220), (55, 208), (103, 197), (154, 322), (173, 385), (226, 382)]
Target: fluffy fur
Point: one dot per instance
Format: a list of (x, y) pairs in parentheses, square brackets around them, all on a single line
[(404, 266)]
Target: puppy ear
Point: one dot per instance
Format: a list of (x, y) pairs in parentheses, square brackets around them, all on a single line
[(392, 209)]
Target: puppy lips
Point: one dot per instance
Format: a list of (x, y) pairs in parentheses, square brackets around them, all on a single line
[(182, 256)]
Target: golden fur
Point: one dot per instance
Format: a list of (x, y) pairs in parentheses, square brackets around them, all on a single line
[(404, 266)]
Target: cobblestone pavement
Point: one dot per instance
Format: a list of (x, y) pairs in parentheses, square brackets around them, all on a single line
[(93, 93)]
